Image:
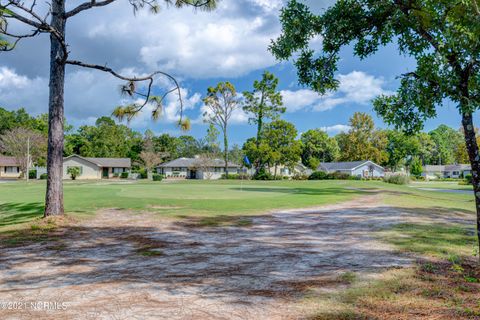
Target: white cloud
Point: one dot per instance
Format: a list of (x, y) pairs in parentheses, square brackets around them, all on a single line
[(336, 128), (356, 87)]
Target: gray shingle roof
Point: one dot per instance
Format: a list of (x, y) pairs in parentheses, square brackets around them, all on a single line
[(193, 162), (8, 161), (340, 166), (107, 162), (451, 167)]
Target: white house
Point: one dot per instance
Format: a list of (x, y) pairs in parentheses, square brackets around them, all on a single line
[(362, 169), (454, 171), (9, 167), (196, 168), (96, 168)]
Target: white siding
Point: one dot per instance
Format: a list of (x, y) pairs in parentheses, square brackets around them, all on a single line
[(89, 170), (364, 171)]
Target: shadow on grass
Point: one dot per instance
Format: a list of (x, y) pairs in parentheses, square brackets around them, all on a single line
[(15, 213), (306, 191)]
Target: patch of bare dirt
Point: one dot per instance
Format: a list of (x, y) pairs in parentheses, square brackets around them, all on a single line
[(135, 266)]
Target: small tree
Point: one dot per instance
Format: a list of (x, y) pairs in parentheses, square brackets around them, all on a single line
[(416, 168), (74, 172), (221, 102), (25, 145), (263, 103)]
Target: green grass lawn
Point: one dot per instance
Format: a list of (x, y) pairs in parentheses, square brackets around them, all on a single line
[(21, 202)]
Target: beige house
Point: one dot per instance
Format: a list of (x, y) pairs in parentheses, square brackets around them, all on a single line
[(196, 168), (9, 167), (96, 168)]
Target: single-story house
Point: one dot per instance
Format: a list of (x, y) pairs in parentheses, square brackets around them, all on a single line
[(448, 171), (96, 168), (362, 169), (196, 168), (9, 167)]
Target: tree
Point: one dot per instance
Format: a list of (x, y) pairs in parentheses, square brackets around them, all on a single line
[(74, 172), (221, 102), (401, 149), (25, 145), (20, 16), (262, 152), (416, 167), (263, 103), (149, 157), (318, 147), (446, 141), (442, 36), (211, 140), (363, 141), (280, 136)]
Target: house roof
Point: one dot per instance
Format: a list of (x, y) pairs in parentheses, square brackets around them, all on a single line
[(344, 166), (450, 167), (106, 162), (8, 161), (193, 162)]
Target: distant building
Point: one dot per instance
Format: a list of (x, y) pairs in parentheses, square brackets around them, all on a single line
[(297, 169), (96, 168), (196, 168), (453, 171), (362, 169), (9, 167)]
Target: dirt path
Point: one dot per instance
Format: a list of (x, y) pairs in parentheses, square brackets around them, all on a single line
[(121, 265)]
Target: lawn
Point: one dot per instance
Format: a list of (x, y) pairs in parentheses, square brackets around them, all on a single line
[(21, 202)]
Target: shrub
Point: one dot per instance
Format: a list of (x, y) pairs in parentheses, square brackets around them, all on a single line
[(142, 173), (124, 175), (115, 175), (300, 176), (263, 175), (32, 174), (342, 176), (157, 177), (318, 175), (236, 176), (74, 172), (43, 176), (468, 179), (397, 179)]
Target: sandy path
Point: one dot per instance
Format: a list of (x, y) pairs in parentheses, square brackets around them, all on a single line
[(254, 272)]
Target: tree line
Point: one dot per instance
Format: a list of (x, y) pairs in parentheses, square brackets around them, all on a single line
[(277, 142)]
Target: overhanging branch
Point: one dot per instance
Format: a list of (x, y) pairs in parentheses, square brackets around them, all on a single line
[(149, 78)]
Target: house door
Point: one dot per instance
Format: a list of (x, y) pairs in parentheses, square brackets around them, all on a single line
[(193, 174), (105, 173)]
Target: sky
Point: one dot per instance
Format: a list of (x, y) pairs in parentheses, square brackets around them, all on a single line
[(199, 49)]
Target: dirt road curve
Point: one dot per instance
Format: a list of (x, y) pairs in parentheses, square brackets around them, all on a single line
[(121, 265)]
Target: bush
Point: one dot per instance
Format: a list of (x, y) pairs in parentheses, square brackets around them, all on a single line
[(124, 175), (43, 176), (142, 173), (397, 179), (319, 175), (262, 175), (300, 176), (236, 176), (32, 174), (74, 172), (115, 175), (468, 179), (157, 177)]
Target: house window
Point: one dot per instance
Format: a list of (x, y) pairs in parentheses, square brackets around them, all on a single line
[(456, 173), (118, 170), (219, 169), (12, 169)]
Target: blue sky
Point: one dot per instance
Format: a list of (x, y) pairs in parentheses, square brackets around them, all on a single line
[(200, 49)]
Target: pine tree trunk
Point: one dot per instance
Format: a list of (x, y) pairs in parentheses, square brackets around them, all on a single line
[(225, 151), (473, 154), (54, 195)]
